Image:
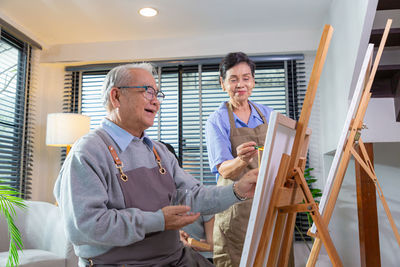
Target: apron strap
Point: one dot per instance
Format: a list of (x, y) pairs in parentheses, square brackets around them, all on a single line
[(118, 163), (158, 159), (230, 114), (231, 117), (259, 113)]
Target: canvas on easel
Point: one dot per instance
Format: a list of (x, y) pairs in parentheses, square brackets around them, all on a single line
[(281, 185), (279, 140), (343, 138)]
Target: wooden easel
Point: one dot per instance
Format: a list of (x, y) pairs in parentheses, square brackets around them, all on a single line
[(290, 186), (353, 140)]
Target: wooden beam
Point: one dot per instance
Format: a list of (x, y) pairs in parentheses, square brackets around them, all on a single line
[(297, 208), (289, 196), (386, 81), (367, 214), (388, 4), (393, 38), (302, 123)]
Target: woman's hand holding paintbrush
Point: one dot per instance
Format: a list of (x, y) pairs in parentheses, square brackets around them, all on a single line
[(247, 151)]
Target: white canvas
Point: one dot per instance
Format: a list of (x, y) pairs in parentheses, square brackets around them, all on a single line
[(345, 132)]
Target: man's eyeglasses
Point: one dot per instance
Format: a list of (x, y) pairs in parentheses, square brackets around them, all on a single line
[(149, 92)]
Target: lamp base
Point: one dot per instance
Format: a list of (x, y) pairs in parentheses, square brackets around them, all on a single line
[(68, 149)]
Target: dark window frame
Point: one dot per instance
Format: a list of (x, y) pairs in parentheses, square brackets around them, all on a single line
[(16, 131)]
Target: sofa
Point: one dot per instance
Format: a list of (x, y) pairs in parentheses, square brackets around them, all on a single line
[(43, 236)]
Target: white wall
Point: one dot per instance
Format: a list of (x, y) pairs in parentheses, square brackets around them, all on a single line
[(348, 18), (47, 159), (201, 46), (380, 120)]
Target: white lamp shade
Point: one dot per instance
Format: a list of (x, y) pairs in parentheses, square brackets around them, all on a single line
[(63, 129)]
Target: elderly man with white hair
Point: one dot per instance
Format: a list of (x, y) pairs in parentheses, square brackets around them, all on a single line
[(115, 187)]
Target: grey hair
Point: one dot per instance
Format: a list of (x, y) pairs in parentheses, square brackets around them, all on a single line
[(121, 76)]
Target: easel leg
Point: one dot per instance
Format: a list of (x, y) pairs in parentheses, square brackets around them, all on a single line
[(326, 239), (330, 204), (370, 171), (322, 228), (277, 239), (312, 259), (367, 214), (287, 242)]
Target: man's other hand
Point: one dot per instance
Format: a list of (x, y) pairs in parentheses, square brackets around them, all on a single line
[(246, 185), (176, 217)]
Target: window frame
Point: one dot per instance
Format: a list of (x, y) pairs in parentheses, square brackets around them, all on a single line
[(17, 171)]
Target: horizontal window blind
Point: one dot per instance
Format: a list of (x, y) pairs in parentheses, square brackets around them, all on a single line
[(197, 106), (166, 121), (211, 96), (16, 114), (270, 89), (91, 104)]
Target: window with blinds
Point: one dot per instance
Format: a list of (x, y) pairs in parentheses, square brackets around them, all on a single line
[(16, 137), (192, 92)]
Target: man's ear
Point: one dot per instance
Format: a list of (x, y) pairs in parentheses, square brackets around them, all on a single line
[(115, 94), (221, 81)]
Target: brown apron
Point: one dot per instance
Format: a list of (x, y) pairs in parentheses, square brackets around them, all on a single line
[(148, 189), (231, 225)]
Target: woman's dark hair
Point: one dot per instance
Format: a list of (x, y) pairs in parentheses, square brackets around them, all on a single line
[(231, 60)]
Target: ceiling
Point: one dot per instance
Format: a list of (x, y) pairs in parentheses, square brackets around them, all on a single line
[(52, 22)]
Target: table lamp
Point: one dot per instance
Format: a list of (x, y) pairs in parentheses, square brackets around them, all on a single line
[(63, 129)]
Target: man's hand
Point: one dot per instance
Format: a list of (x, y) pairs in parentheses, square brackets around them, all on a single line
[(176, 217), (188, 241), (246, 151), (184, 238), (246, 186)]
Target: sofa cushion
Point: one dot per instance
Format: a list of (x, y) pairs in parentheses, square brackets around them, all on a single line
[(35, 258), (43, 236)]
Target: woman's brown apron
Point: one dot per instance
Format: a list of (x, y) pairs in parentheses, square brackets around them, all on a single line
[(148, 189), (231, 225)]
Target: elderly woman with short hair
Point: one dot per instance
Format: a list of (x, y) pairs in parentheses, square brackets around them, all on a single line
[(232, 132)]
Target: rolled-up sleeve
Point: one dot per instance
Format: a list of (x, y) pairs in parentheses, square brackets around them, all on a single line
[(218, 142)]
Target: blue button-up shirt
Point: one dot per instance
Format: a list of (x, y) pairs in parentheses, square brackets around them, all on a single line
[(122, 137), (218, 132)]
